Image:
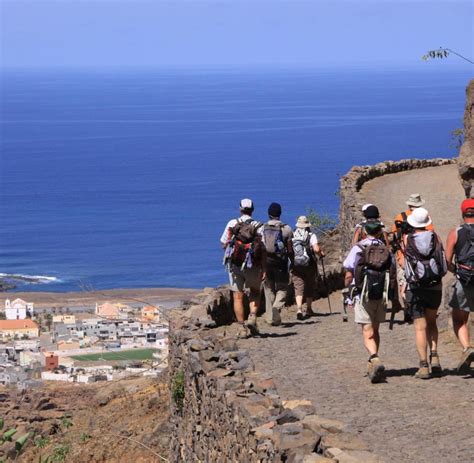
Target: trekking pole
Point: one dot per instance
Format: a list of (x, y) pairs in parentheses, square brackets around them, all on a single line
[(326, 283)]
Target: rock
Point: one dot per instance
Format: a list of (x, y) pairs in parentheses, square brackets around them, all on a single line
[(466, 153), (315, 458), (343, 441), (220, 373), (317, 421), (357, 456)]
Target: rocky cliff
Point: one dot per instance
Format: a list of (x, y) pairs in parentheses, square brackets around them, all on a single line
[(466, 154)]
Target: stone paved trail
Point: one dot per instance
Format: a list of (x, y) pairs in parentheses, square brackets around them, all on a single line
[(323, 359), (402, 420)]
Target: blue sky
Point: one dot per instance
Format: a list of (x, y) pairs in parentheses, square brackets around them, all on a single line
[(198, 33)]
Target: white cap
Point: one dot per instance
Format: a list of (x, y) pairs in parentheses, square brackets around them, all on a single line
[(365, 206), (419, 218), (246, 204)]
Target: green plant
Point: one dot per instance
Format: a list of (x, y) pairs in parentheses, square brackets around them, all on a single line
[(321, 222), (66, 422), (84, 437), (60, 452), (177, 389), (457, 138), (41, 442)]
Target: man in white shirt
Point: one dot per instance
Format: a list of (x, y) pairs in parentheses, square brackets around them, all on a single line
[(241, 240)]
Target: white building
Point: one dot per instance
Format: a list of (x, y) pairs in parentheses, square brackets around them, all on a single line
[(18, 309)]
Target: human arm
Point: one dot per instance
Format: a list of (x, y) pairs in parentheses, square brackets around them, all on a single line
[(450, 244)]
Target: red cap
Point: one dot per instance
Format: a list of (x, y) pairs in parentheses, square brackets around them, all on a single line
[(467, 204)]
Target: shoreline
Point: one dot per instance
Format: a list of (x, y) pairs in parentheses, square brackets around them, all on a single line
[(80, 298)]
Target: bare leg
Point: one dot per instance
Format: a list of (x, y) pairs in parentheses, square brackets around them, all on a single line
[(239, 306), (420, 338), (461, 327), (432, 329), (369, 336), (254, 301)]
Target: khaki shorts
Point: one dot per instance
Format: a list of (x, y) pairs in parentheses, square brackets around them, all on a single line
[(463, 297), (372, 312), (304, 281), (249, 278)]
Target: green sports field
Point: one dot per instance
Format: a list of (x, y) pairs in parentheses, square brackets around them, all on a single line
[(133, 354)]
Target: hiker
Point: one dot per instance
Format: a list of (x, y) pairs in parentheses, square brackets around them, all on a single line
[(305, 270), (276, 238), (424, 264), (370, 213), (460, 246), (370, 268), (401, 228), (244, 259)]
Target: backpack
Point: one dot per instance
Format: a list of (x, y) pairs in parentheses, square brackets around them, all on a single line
[(465, 255), (244, 236), (275, 245), (424, 271), (402, 226), (372, 270), (303, 255)]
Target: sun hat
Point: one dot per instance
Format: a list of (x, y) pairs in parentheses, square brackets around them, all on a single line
[(365, 206), (274, 210), (246, 204), (372, 226), (303, 222), (415, 200), (466, 205), (419, 218), (372, 212)]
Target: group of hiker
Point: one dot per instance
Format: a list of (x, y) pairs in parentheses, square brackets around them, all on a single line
[(403, 266)]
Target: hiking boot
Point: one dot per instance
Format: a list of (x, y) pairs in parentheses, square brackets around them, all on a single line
[(241, 331), (375, 370), (435, 364), (310, 313), (464, 365), (300, 315), (252, 324), (276, 317), (423, 372)]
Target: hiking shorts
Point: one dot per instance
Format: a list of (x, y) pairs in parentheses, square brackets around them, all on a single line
[(370, 312), (463, 297), (304, 281), (249, 278), (420, 299)]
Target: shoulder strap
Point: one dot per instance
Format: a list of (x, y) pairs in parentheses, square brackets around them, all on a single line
[(404, 216)]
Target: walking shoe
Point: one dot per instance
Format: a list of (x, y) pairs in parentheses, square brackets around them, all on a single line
[(465, 364), (252, 324), (435, 364), (300, 315), (375, 370), (423, 372), (276, 317)]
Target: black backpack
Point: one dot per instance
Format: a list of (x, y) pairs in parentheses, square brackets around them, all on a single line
[(465, 255), (424, 271), (373, 267)]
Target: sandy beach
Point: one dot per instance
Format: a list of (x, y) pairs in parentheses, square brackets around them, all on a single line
[(161, 296)]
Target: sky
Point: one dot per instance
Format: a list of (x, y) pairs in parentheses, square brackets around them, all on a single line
[(231, 33)]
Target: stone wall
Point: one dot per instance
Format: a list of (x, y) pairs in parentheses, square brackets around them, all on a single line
[(351, 183), (466, 154), (223, 410)]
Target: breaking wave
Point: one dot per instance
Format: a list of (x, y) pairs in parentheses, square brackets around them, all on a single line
[(29, 278)]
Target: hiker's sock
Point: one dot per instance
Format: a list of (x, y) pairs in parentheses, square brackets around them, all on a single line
[(373, 356), (434, 353), (423, 363)]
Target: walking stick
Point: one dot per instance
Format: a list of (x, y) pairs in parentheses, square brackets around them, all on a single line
[(326, 283)]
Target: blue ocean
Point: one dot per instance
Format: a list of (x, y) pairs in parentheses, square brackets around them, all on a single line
[(116, 179)]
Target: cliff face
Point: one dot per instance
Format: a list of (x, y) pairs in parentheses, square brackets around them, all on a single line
[(466, 154)]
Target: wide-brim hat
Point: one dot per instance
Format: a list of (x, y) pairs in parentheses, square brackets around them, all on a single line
[(415, 200), (419, 218), (303, 222)]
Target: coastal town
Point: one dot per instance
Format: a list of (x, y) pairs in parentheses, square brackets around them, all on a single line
[(101, 342)]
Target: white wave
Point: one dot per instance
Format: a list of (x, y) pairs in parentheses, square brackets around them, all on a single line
[(30, 278)]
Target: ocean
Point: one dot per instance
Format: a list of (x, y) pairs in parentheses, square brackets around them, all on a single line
[(118, 179)]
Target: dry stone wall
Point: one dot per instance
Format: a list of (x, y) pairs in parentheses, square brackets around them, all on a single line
[(223, 410), (351, 183)]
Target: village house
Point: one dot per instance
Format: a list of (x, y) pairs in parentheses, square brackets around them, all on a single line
[(151, 314), (112, 311), (25, 329), (66, 319), (18, 309)]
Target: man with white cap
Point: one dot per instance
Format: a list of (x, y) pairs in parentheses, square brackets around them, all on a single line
[(400, 228), (424, 264), (460, 248), (244, 259)]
